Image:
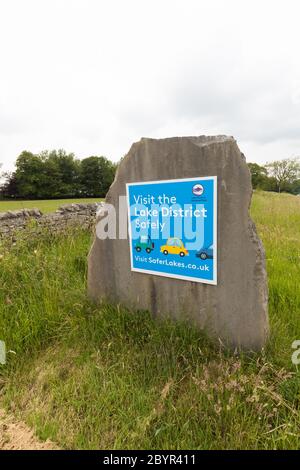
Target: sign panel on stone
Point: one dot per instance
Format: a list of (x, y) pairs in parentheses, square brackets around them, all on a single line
[(173, 228)]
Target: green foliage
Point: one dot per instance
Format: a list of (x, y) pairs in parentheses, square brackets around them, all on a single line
[(91, 376), (285, 172), (278, 176), (295, 187), (57, 174), (97, 174), (259, 175)]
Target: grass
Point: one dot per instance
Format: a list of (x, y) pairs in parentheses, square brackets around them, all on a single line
[(45, 206), (90, 377)]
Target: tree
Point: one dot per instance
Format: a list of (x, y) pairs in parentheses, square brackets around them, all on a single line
[(259, 175), (97, 174), (29, 168), (284, 171), (9, 188), (47, 175), (56, 173), (295, 187), (270, 184), (63, 171)]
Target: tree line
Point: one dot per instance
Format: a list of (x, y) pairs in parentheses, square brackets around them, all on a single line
[(57, 174), (279, 176)]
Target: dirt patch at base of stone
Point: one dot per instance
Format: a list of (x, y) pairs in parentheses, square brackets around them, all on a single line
[(16, 435)]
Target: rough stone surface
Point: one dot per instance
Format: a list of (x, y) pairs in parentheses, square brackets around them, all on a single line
[(236, 309)]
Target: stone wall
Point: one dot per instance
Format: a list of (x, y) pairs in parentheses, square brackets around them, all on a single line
[(79, 214)]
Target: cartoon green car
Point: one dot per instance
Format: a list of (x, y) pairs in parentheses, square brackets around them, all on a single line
[(144, 243)]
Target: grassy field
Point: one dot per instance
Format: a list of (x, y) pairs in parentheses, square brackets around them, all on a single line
[(89, 377), (49, 205)]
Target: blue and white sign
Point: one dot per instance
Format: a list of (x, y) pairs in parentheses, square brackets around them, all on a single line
[(173, 228)]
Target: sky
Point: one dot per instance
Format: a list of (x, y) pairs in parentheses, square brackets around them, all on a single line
[(94, 76)]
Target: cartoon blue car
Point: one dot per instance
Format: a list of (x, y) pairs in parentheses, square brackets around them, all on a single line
[(206, 253)]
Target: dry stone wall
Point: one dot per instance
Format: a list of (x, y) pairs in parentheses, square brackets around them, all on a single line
[(79, 214)]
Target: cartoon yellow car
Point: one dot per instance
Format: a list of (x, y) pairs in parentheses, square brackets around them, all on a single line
[(174, 246)]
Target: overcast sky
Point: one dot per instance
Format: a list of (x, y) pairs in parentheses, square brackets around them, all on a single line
[(93, 76)]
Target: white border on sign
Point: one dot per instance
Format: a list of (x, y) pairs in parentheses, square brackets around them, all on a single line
[(215, 221)]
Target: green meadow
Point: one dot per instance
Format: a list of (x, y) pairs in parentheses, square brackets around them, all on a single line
[(91, 377), (49, 205)]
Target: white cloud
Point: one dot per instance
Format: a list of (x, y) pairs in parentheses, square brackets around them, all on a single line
[(93, 76)]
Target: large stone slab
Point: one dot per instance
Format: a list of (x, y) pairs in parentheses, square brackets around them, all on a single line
[(236, 309)]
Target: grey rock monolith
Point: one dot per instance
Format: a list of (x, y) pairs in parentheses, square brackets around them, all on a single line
[(235, 310)]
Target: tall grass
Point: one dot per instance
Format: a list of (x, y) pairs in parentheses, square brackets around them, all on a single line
[(105, 377), (277, 218)]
